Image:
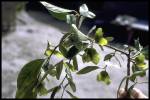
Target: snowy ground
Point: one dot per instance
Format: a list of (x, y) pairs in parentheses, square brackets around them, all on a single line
[(29, 41)]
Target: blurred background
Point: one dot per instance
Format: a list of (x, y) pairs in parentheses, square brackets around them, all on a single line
[(26, 27)]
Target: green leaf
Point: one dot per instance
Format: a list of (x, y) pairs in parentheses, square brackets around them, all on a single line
[(75, 63), (59, 16), (71, 95), (57, 12), (145, 51), (109, 39), (27, 79), (55, 90), (85, 12), (55, 8), (63, 50), (72, 84), (45, 67), (98, 34), (41, 89), (48, 52), (70, 66), (91, 55), (130, 89), (140, 58), (65, 36), (141, 65), (102, 41), (138, 45), (59, 67), (72, 52), (137, 73), (85, 58), (103, 76), (87, 69), (53, 72), (108, 56), (71, 19), (75, 40), (79, 34)]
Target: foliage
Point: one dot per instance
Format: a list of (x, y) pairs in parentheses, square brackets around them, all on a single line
[(30, 81)]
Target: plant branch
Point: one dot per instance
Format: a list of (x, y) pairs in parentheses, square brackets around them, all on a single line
[(128, 72), (116, 49)]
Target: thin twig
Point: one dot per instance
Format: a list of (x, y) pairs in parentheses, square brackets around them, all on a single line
[(116, 49), (118, 61), (64, 90)]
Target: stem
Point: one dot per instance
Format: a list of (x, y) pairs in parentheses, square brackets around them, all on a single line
[(46, 61), (128, 72), (48, 70)]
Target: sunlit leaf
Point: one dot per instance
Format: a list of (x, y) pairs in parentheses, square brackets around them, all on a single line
[(71, 95), (79, 34), (49, 52), (103, 41), (104, 77), (55, 8), (57, 12), (87, 69), (98, 34), (85, 12), (71, 19), (59, 67), (27, 79), (138, 45)]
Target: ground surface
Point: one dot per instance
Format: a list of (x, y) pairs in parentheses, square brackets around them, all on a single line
[(29, 41)]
